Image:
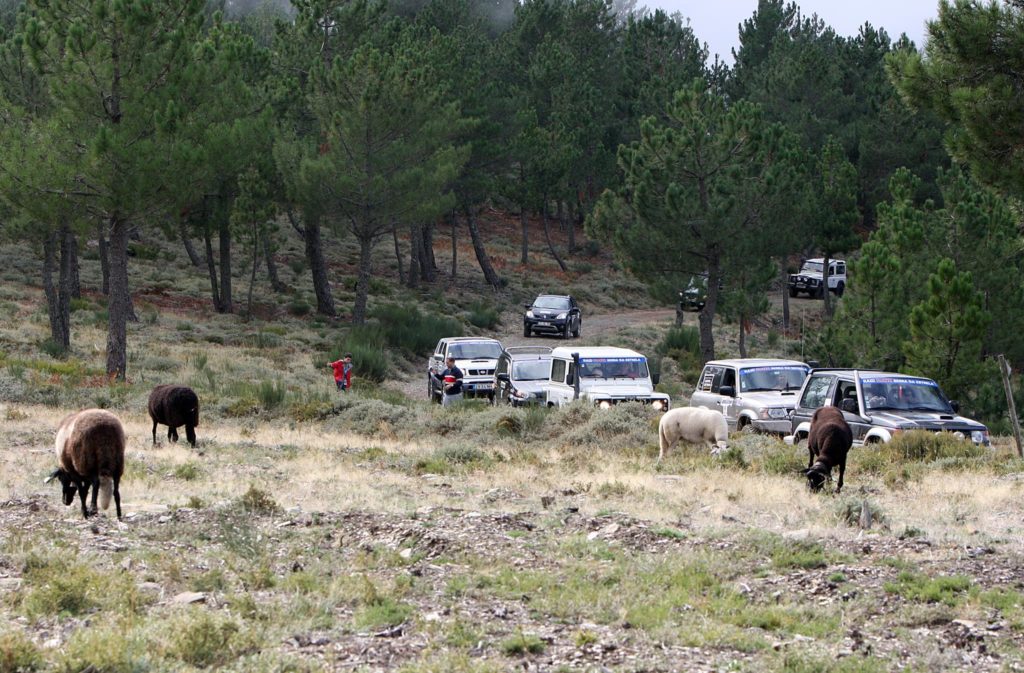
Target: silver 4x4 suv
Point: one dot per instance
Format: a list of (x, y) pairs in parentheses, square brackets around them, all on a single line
[(879, 405), (752, 394), (475, 356)]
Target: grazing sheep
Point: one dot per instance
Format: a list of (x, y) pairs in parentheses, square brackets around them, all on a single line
[(90, 452), (694, 425), (175, 406), (828, 442)]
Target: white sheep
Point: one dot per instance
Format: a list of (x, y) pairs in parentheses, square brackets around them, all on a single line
[(693, 425)]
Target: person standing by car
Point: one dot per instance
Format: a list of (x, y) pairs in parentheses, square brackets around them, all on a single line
[(451, 383)]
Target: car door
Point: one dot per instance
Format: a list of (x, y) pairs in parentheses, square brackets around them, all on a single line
[(816, 393), (844, 398), (703, 395), (558, 393), (437, 363)]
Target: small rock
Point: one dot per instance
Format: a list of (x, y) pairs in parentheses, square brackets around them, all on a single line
[(593, 535), (10, 583), (163, 519), (187, 597), (149, 586), (800, 534), (406, 553)]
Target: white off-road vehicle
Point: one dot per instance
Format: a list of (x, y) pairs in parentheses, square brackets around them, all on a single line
[(809, 279), (603, 376), (475, 356)]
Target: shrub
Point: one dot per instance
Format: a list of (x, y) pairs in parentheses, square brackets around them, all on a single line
[(522, 644), (258, 501), (682, 344), (52, 348), (366, 343), (483, 315), (202, 639), (948, 590), (270, 394), (850, 509), (407, 328), (18, 654), (929, 446)]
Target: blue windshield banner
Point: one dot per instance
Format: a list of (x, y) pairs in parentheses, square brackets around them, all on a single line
[(900, 380), (592, 361), (780, 368)]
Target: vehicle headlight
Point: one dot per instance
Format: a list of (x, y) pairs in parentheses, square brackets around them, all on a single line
[(979, 436), (658, 405), (773, 412), (604, 404), (529, 314), (561, 316), (519, 394)]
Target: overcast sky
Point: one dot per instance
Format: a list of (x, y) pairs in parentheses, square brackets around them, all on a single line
[(717, 21)]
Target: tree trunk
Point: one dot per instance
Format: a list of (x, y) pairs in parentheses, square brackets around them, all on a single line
[(363, 280), (571, 230), (416, 256), (743, 337), (785, 296), (119, 304), (428, 264), (268, 255), (398, 256), (547, 236), (57, 310), (706, 317), (525, 225), (255, 264), (824, 288), (193, 256), (455, 249), (318, 267), (211, 267), (69, 248), (224, 249), (101, 236), (481, 253)]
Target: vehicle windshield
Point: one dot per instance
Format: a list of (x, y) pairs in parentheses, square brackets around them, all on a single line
[(613, 368), (777, 377), (480, 350), (559, 303), (531, 370), (903, 393), (813, 267)]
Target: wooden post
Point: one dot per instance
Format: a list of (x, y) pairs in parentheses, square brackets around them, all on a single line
[(1004, 371)]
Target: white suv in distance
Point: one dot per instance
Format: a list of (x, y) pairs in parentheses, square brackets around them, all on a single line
[(809, 280), (475, 356)]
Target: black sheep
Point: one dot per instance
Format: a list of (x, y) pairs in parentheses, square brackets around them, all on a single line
[(828, 443), (174, 406), (90, 452)]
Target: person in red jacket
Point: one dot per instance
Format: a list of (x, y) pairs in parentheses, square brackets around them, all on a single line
[(343, 372)]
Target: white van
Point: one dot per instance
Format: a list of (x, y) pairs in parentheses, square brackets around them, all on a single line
[(603, 376)]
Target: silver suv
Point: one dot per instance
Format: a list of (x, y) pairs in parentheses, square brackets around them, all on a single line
[(752, 394), (475, 356)]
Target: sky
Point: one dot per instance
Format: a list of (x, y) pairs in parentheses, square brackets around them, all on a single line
[(717, 21)]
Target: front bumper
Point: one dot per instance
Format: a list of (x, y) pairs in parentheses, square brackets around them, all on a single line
[(546, 324), (774, 426), (666, 403)]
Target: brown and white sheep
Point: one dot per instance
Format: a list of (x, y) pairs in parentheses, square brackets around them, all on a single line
[(174, 406), (90, 452), (694, 425), (828, 442)]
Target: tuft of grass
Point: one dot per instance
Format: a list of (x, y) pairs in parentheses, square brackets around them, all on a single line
[(913, 586), (522, 644), (798, 554), (18, 654), (453, 460), (849, 510), (204, 639), (187, 471), (258, 501)]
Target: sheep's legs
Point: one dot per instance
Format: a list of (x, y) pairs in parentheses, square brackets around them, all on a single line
[(117, 496), (842, 471), (190, 434), (172, 433), (154, 433), (95, 492), (83, 490), (811, 454)]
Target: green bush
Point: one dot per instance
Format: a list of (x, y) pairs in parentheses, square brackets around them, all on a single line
[(270, 394), (258, 501), (407, 328), (366, 344), (18, 654), (483, 315), (682, 344), (299, 307)]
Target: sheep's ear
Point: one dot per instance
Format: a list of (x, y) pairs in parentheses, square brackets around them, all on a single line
[(53, 475)]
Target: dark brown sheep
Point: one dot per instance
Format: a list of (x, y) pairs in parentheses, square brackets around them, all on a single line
[(828, 442), (90, 452), (174, 406)]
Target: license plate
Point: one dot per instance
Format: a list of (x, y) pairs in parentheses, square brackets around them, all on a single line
[(800, 285), (543, 324)]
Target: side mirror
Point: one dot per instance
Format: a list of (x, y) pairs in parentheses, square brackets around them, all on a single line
[(655, 378), (527, 305), (813, 364), (502, 377), (728, 391), (955, 406)]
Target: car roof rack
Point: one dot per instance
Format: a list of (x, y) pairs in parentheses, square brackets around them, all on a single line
[(528, 350)]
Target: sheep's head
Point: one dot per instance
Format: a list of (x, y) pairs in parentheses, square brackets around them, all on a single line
[(70, 488), (815, 478)]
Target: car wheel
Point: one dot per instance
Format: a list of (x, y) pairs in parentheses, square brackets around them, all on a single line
[(820, 293), (565, 332), (576, 332), (430, 391), (747, 428), (793, 292), (840, 288), (526, 331)]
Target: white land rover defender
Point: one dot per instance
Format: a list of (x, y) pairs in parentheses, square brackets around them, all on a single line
[(809, 280), (603, 376)]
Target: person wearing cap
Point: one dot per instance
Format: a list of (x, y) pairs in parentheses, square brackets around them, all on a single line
[(451, 383)]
